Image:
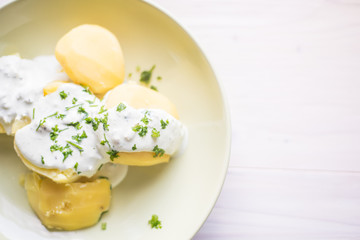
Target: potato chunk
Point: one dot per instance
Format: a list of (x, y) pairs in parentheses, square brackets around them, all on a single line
[(91, 55), (67, 206)]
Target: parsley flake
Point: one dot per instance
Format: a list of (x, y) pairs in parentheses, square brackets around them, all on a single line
[(113, 154), (42, 160), (154, 88), (142, 130), (155, 133), (75, 145), (63, 95), (134, 147), (121, 107), (75, 125), (158, 152), (155, 222), (145, 76), (76, 166), (78, 138), (86, 89), (74, 100), (102, 109), (164, 124), (103, 226)]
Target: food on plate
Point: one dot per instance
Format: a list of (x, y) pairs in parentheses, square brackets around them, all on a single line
[(91, 55), (67, 206), (78, 127)]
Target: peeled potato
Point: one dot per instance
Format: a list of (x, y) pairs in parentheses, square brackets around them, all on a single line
[(140, 97), (66, 176), (91, 55), (52, 87), (16, 125), (68, 206)]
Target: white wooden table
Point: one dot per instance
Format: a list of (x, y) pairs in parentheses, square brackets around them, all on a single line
[(291, 71)]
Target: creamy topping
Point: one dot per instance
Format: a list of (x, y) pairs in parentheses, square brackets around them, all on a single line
[(72, 129), (22, 82)]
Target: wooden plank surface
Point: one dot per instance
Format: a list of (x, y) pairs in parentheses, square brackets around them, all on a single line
[(291, 71)]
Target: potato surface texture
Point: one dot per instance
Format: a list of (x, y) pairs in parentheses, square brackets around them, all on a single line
[(91, 55), (68, 206)]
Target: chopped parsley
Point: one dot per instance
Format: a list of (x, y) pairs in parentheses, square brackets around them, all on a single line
[(86, 89), (41, 123), (113, 154), (60, 116), (100, 167), (82, 110), (158, 151), (74, 100), (78, 138), (159, 78), (121, 107), (102, 109), (75, 145), (104, 121), (63, 95), (55, 132), (66, 151), (145, 76), (164, 124), (75, 125), (76, 166), (154, 88), (134, 147), (91, 102), (141, 130), (155, 133), (33, 113), (155, 222), (42, 160), (77, 105), (105, 141), (145, 119), (94, 122), (103, 226)]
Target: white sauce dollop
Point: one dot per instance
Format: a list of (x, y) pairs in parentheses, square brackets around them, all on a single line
[(107, 131), (22, 82)]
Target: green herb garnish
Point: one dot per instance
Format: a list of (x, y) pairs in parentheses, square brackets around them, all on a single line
[(75, 125), (158, 151), (102, 109), (103, 226), (100, 167), (159, 78), (74, 100), (63, 95), (154, 88), (66, 152), (61, 116), (75, 145), (164, 124), (145, 119), (78, 138), (113, 154), (76, 166), (155, 133), (77, 105), (104, 121), (42, 160), (145, 76), (82, 110), (138, 69), (121, 107), (33, 113), (41, 123), (105, 141), (155, 222), (91, 102), (142, 130), (134, 147), (86, 89)]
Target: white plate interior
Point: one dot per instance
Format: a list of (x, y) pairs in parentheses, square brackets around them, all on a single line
[(182, 192)]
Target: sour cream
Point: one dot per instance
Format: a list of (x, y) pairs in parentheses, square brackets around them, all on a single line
[(22, 82), (72, 129)]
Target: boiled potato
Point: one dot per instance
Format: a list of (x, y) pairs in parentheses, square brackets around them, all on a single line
[(67, 206), (140, 97), (66, 176), (52, 87), (91, 55)]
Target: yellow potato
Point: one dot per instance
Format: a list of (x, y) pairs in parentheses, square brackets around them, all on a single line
[(68, 206), (91, 55), (66, 176), (140, 97), (52, 87), (16, 125)]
